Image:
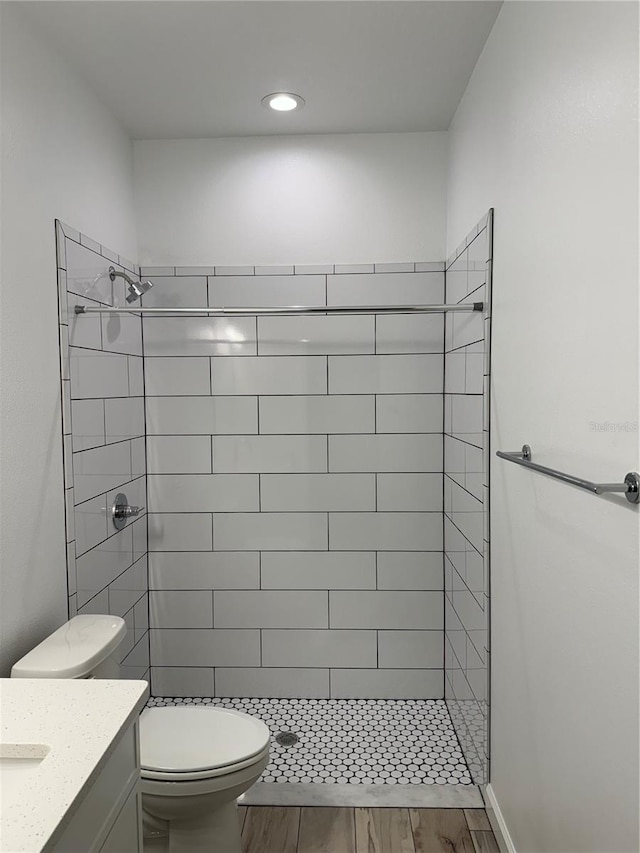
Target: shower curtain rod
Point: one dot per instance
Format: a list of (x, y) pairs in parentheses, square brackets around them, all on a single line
[(290, 309)]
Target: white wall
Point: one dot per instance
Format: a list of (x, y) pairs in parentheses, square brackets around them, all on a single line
[(546, 134), (291, 199), (64, 156)]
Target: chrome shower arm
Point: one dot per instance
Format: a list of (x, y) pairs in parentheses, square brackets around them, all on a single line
[(113, 273)]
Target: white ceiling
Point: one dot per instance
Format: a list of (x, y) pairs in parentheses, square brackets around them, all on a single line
[(178, 68)]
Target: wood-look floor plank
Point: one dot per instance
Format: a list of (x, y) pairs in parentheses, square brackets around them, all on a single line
[(242, 813), (477, 819), (440, 831), (484, 842), (270, 829), (383, 831), (326, 830)]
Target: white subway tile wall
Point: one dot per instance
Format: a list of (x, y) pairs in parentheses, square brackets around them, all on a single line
[(295, 482), (295, 485), (466, 527), (104, 419)]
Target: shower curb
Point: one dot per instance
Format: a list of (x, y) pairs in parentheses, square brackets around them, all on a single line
[(381, 796)]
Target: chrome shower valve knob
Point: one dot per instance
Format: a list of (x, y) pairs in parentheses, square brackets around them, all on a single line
[(121, 511)]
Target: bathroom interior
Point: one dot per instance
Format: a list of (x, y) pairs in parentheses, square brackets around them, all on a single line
[(266, 368)]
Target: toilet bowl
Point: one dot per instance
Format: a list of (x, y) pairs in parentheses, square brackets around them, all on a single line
[(195, 759)]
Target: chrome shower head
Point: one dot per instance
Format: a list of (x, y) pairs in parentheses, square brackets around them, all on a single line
[(136, 288)]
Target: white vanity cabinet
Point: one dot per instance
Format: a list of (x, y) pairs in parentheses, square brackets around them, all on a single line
[(80, 792), (126, 833), (109, 816)]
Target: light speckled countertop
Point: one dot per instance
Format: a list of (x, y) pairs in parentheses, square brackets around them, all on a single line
[(78, 720)]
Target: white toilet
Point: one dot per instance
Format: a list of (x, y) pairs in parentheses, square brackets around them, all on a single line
[(196, 760)]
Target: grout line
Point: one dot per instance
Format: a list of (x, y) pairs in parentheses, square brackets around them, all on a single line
[(146, 479), (280, 393), (280, 630), (112, 443), (406, 354), (444, 579)]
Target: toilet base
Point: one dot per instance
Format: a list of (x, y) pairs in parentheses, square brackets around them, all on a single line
[(156, 844), (217, 832), (198, 816)]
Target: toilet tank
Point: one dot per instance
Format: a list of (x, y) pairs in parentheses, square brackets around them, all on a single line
[(81, 648)]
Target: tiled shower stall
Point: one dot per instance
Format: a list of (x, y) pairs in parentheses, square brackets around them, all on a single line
[(466, 496), (297, 551), (315, 495)]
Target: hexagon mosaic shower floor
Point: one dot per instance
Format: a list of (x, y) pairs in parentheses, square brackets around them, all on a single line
[(357, 741)]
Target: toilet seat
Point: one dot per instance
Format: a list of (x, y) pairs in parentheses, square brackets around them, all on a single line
[(188, 743)]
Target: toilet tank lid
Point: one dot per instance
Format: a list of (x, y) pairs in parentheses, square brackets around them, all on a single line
[(74, 650)]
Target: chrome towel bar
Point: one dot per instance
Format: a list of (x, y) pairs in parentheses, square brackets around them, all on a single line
[(630, 487)]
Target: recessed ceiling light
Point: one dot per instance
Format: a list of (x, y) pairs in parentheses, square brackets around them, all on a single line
[(283, 102)]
